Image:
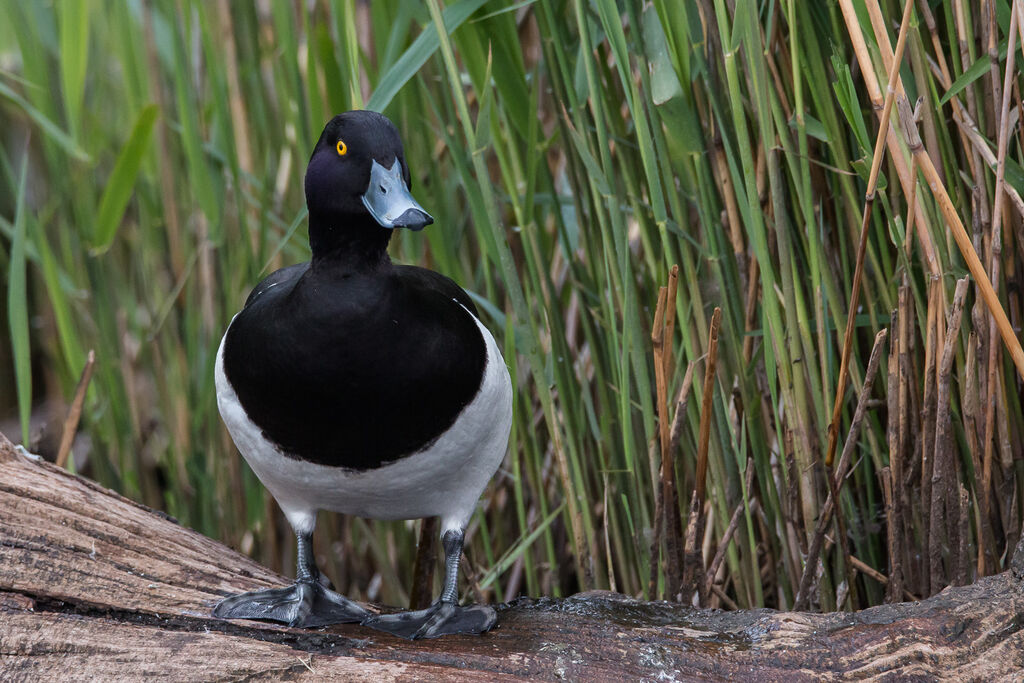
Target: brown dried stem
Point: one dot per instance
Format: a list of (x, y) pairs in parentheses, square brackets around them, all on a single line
[(894, 480), (693, 561), (993, 384), (946, 79), (421, 593), (943, 473), (705, 411), (668, 525), (75, 411)]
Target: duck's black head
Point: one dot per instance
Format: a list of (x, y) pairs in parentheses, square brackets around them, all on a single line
[(357, 188)]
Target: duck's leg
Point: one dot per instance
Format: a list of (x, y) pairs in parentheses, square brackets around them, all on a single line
[(444, 617), (306, 603)]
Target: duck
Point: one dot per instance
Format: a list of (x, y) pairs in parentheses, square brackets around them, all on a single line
[(353, 384)]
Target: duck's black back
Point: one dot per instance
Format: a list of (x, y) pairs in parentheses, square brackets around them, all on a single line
[(354, 369)]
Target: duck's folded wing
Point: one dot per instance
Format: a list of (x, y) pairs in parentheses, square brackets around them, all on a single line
[(425, 280), (278, 277)]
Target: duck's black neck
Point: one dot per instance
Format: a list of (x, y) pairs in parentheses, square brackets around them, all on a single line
[(349, 241)]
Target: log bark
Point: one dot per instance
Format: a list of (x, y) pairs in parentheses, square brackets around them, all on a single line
[(96, 587)]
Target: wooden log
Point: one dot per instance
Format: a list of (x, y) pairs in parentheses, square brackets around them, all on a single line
[(96, 587)]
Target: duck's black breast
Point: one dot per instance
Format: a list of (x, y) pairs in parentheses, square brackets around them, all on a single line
[(354, 370)]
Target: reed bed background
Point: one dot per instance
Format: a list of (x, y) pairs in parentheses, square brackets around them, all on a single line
[(572, 154)]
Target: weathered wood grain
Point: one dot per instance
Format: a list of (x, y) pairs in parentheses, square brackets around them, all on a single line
[(96, 587)]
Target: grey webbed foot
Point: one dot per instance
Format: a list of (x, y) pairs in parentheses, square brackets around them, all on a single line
[(440, 619), (304, 604)]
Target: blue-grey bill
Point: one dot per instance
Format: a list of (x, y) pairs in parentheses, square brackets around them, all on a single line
[(388, 200)]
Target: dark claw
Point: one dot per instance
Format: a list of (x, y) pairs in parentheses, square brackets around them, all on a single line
[(440, 619), (304, 604)]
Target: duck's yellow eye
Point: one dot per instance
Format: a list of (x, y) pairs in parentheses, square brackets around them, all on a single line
[(342, 148)]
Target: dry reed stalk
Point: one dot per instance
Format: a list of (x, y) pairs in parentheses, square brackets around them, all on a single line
[(971, 402), (693, 560), (668, 359), (943, 476), (657, 339), (728, 194), (656, 535), (67, 436), (668, 526), (881, 578), (995, 241), (706, 409), (944, 446), (930, 118), (869, 201), (675, 549), (946, 80), (835, 482), (981, 210), (1020, 104), (893, 588), (929, 408), (904, 411), (928, 414), (672, 525), (908, 238), (422, 591), (912, 467), (962, 550), (990, 38), (895, 519), (721, 595), (868, 570)]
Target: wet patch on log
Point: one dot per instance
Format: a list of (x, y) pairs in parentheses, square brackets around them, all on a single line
[(97, 587)]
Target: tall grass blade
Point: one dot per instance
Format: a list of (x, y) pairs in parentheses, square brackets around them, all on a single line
[(74, 17), (413, 59), (122, 180), (18, 308), (49, 128)]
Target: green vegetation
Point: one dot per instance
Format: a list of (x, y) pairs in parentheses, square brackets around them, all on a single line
[(571, 153)]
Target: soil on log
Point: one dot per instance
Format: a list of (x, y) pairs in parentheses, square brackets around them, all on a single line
[(96, 587)]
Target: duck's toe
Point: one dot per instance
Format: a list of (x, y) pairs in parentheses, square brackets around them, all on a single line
[(304, 604), (440, 619)]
